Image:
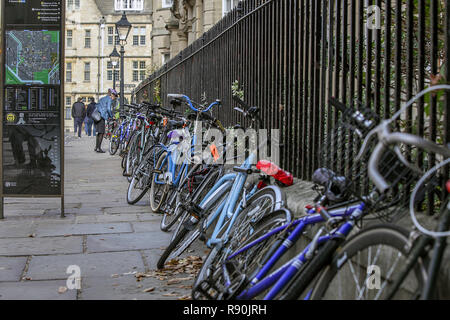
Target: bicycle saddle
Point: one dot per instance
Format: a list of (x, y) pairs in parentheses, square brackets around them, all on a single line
[(174, 124), (176, 97)]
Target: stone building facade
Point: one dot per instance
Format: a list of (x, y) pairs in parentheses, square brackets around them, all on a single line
[(90, 39), (178, 23), (160, 30)]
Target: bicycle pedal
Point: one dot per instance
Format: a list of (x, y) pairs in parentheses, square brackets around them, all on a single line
[(203, 289)]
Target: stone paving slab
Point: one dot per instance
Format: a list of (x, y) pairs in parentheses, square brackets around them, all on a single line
[(35, 290), (11, 268), (128, 209), (40, 246), (82, 229), (106, 218), (127, 241), (91, 265), (128, 288), (16, 229), (147, 226)]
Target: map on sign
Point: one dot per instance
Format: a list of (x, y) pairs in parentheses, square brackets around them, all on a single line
[(32, 57)]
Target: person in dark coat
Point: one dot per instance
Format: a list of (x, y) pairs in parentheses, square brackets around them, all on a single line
[(89, 122), (78, 114)]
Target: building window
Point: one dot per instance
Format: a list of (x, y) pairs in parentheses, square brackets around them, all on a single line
[(68, 113), (87, 71), (167, 3), (139, 36), (110, 36), (229, 5), (110, 71), (68, 101), (69, 38), (142, 36), (138, 71), (135, 36), (165, 58), (132, 5), (73, 4), (87, 39), (69, 72)]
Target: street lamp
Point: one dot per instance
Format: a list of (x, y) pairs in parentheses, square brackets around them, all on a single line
[(114, 58), (123, 27)]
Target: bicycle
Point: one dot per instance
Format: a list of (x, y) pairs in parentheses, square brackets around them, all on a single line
[(169, 173), (414, 247), (239, 278)]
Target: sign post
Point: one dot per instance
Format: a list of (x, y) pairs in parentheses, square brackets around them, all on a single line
[(32, 85)]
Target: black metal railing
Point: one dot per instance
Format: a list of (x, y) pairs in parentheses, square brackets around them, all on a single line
[(291, 56)]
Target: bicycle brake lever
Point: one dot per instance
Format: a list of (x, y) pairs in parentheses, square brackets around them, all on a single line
[(314, 244)]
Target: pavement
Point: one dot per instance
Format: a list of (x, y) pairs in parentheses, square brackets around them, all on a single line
[(112, 246)]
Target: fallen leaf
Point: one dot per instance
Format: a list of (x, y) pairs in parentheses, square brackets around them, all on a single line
[(149, 289), (173, 294), (114, 276), (32, 235), (178, 280), (62, 289), (185, 297)]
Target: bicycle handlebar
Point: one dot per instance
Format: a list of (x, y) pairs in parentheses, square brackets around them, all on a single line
[(186, 99), (386, 138)]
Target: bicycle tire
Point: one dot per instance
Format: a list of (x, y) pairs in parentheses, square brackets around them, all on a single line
[(199, 193), (186, 237), (378, 235), (114, 142), (255, 256), (142, 170), (153, 205), (169, 218), (243, 226), (132, 155)]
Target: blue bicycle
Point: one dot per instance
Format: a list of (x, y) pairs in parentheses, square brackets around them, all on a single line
[(172, 166)]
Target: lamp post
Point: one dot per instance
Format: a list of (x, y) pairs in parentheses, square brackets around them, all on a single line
[(123, 27), (114, 58)]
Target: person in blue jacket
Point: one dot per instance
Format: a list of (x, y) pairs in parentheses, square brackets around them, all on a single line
[(104, 108)]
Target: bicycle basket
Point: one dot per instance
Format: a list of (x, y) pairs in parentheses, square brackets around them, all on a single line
[(338, 154)]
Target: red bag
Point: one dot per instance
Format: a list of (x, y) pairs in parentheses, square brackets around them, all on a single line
[(276, 172)]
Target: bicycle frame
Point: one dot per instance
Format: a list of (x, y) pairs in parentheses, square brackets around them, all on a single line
[(228, 210), (280, 277)]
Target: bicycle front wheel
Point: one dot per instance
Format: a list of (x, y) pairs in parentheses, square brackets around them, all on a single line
[(366, 265)]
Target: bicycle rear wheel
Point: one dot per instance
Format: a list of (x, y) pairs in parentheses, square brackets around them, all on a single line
[(158, 189), (173, 208), (190, 230), (366, 264), (198, 194), (140, 182), (132, 155), (114, 141), (244, 265)]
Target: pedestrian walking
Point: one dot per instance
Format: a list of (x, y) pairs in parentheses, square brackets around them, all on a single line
[(104, 108), (89, 122), (78, 115)]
